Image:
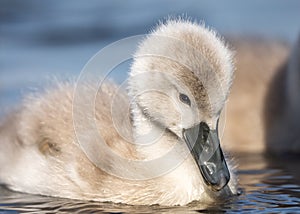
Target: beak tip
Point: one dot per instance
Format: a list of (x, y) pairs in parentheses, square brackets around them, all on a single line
[(223, 181), (215, 179)]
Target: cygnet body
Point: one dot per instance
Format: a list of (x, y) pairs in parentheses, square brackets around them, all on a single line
[(178, 84)]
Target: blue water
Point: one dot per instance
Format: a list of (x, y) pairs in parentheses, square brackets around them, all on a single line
[(40, 40)]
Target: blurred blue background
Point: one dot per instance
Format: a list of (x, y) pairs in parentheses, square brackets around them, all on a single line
[(42, 39)]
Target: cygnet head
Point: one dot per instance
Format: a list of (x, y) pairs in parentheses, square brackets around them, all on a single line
[(180, 80)]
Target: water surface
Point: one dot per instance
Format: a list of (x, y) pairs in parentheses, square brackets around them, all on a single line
[(268, 185)]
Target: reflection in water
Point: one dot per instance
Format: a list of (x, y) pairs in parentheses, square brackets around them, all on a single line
[(268, 185)]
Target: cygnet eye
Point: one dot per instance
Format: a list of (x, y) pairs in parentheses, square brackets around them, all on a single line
[(185, 99)]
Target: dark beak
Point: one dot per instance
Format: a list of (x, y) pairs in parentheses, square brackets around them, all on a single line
[(205, 147)]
